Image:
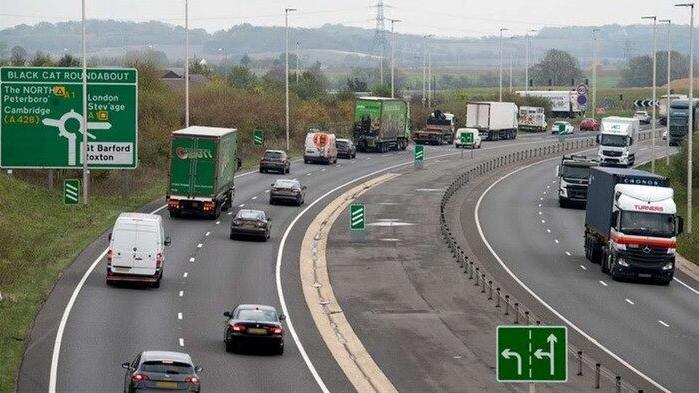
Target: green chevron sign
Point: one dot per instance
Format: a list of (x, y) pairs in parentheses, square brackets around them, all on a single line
[(258, 137), (532, 354), (419, 153), (357, 217), (71, 191)]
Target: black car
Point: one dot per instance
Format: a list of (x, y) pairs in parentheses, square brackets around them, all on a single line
[(345, 148), (156, 370), (287, 190), (254, 324), (275, 160), (251, 223)]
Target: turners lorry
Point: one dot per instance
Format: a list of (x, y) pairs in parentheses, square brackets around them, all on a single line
[(631, 224)]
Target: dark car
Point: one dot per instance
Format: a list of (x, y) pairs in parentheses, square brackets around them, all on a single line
[(161, 370), (287, 190), (251, 223), (345, 148), (254, 324), (275, 160), (589, 124)]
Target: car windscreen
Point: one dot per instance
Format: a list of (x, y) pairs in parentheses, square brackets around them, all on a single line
[(576, 172), (134, 238), (341, 143), (286, 184), (166, 367), (613, 140), (250, 215), (257, 315), (273, 155), (649, 224)]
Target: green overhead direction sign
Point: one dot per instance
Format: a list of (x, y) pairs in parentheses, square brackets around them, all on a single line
[(42, 120), (71, 191), (258, 137), (466, 139), (532, 354), (357, 217)]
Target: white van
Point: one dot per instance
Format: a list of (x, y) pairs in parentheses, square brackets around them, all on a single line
[(320, 147), (475, 138), (137, 249)]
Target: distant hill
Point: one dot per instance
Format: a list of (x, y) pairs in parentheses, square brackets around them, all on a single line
[(333, 44)]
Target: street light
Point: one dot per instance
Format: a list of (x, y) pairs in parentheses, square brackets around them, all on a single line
[(298, 61), (594, 71), (526, 56), (393, 47), (186, 63), (667, 100), (424, 67), (655, 56), (86, 172), (500, 68), (690, 125), (286, 74)]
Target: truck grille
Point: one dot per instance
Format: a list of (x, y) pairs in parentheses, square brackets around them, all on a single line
[(577, 192), (611, 153), (654, 255)]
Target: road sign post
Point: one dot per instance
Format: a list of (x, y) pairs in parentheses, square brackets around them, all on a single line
[(357, 218), (258, 137), (42, 118), (419, 156), (532, 354), (71, 191)]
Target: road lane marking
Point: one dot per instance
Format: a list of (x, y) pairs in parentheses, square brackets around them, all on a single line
[(685, 284), (548, 230), (309, 173), (253, 198), (200, 245), (540, 205), (218, 222), (322, 170), (603, 283), (181, 342), (207, 234), (541, 199), (540, 213), (266, 191), (181, 293), (567, 253), (179, 316), (537, 297), (185, 275), (230, 213), (629, 301), (556, 240), (663, 323), (583, 267), (543, 221), (191, 259), (241, 205)]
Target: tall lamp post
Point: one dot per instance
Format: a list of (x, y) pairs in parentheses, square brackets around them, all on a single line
[(393, 52), (655, 58), (186, 63), (690, 125), (500, 68), (286, 74), (594, 71), (424, 68), (527, 46), (298, 61), (667, 97)]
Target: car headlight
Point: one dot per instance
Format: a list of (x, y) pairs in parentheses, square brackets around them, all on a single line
[(622, 262), (261, 224), (236, 222), (668, 266)]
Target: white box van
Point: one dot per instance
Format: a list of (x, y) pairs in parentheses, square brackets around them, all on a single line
[(137, 249), (320, 147)]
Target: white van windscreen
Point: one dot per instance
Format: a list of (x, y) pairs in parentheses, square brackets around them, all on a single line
[(127, 239)]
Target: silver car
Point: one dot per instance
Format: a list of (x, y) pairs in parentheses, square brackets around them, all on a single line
[(155, 370)]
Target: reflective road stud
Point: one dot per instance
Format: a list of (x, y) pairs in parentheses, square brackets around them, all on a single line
[(258, 137), (532, 354), (357, 217), (71, 191)]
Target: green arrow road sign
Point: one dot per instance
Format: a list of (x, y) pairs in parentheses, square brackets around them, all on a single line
[(419, 153), (532, 354), (71, 191), (357, 217), (466, 138), (41, 124), (258, 137)]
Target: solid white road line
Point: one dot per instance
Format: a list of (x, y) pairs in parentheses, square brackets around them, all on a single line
[(629, 301), (686, 285), (603, 283), (663, 323), (537, 297)]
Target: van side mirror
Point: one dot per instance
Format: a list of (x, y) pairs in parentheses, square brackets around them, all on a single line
[(227, 314), (630, 141), (282, 317), (109, 237), (558, 170), (198, 369), (167, 240), (680, 225), (597, 138), (126, 366)]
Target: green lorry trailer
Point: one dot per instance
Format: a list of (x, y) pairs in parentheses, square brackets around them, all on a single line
[(381, 124), (203, 162)]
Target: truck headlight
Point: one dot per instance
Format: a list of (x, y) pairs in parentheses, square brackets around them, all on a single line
[(668, 266), (562, 191), (622, 262)]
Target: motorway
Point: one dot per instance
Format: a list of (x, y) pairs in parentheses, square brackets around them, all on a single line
[(205, 275), (652, 327)]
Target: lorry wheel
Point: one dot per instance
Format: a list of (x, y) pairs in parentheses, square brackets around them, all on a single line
[(562, 202), (604, 263)]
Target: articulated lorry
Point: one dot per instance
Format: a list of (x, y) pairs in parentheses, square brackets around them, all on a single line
[(493, 120), (679, 120), (203, 162), (532, 119), (663, 108), (381, 124), (564, 103), (440, 129), (631, 224), (573, 178), (617, 141)]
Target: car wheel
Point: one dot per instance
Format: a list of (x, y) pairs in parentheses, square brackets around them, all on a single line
[(156, 284), (280, 350)]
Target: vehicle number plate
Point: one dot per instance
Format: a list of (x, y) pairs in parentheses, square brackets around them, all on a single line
[(644, 275), (257, 331), (166, 385), (195, 204), (121, 269)]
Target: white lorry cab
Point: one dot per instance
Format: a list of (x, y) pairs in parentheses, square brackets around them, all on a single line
[(320, 147), (137, 249), (474, 141), (617, 141)]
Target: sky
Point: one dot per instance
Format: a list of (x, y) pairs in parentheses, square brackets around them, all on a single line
[(446, 18)]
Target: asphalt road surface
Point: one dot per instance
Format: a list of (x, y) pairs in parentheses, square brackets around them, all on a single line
[(654, 328), (206, 274)]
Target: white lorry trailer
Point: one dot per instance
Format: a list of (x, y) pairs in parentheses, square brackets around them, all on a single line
[(532, 118), (493, 120), (617, 141), (564, 103)]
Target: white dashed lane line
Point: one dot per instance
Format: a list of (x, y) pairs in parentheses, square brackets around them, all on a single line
[(181, 293), (603, 283), (207, 234), (663, 323), (253, 198), (583, 267), (181, 342), (309, 174), (629, 301), (241, 205), (543, 221), (567, 253), (200, 245), (540, 203), (548, 230), (179, 316), (185, 275), (267, 191), (556, 240), (218, 222), (191, 259), (540, 213)]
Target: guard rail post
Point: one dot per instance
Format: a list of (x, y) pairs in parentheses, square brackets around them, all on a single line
[(507, 304), (597, 367), (580, 362)]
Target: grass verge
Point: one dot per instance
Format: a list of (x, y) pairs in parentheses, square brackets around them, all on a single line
[(688, 244), (39, 238)]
